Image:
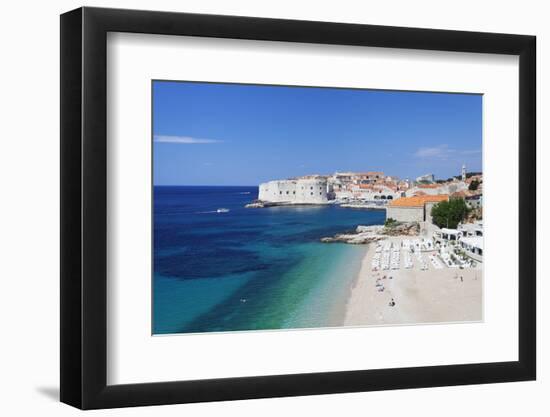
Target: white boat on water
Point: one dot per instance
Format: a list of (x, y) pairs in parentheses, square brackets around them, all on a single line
[(222, 210)]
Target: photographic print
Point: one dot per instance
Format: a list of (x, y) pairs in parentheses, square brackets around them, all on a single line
[(292, 207)]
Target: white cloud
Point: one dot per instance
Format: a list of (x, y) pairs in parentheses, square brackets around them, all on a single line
[(184, 140), (443, 152)]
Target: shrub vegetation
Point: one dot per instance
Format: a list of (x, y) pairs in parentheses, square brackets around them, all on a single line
[(390, 222)]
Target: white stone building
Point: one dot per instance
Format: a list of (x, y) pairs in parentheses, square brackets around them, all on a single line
[(375, 193), (429, 178), (435, 189), (474, 201), (294, 191)]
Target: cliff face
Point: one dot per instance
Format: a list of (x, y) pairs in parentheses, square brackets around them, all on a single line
[(369, 234), (403, 229)]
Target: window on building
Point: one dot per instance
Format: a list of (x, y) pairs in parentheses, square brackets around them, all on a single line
[(311, 193), (311, 188), (321, 193), (280, 192), (287, 192)]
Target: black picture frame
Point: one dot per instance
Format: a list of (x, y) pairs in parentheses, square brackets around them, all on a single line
[(84, 207)]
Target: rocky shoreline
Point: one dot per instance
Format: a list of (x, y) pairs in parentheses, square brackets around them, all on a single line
[(368, 234)]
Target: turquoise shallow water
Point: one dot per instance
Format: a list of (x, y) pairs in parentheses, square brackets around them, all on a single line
[(248, 269)]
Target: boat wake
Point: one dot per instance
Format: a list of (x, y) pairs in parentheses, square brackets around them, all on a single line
[(220, 210)]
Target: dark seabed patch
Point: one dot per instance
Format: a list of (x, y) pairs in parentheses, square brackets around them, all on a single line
[(245, 269)]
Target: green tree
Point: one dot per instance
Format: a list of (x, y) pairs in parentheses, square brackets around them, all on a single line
[(473, 185), (390, 222), (449, 213)]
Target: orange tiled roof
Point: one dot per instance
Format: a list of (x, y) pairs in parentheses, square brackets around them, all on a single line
[(428, 186), (418, 201)]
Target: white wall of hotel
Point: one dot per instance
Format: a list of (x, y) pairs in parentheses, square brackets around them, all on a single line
[(469, 236), (471, 229), (299, 191), (473, 247)]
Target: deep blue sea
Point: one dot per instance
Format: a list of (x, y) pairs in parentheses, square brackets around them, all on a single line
[(249, 269)]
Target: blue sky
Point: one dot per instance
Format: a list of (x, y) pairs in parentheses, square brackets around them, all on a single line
[(231, 134)]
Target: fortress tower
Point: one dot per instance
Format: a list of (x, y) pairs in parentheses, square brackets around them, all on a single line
[(463, 172), (297, 191)]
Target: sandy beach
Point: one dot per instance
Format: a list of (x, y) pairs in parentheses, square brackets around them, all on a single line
[(419, 296)]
